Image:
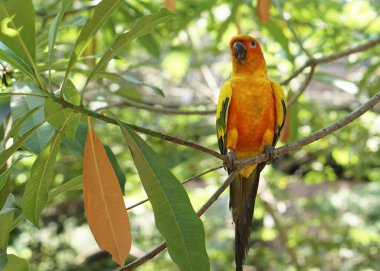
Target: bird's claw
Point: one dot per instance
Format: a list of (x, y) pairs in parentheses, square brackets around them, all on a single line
[(231, 159), (269, 151)]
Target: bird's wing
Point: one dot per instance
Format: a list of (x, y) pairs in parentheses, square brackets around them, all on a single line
[(224, 101), (281, 109)]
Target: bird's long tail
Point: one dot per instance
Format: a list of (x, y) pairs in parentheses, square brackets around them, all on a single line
[(242, 202)]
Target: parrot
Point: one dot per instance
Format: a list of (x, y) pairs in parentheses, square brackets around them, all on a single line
[(250, 115)]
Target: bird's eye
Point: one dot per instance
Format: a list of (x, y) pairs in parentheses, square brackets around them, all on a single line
[(252, 44)]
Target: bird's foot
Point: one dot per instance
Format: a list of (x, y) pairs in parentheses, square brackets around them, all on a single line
[(269, 151), (231, 159)]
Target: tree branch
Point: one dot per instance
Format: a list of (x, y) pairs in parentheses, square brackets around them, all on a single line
[(265, 157), (168, 111), (139, 129), (302, 87), (281, 231), (314, 136), (291, 29), (330, 58)]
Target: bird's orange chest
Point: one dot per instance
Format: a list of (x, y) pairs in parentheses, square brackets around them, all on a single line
[(251, 113)]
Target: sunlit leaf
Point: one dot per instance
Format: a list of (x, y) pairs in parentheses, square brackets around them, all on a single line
[(42, 173), (100, 15), (17, 30), (103, 201), (70, 93), (173, 212), (142, 27), (16, 263)]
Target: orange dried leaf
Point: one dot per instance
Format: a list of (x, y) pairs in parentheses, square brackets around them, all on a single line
[(170, 5), (263, 7), (103, 201)]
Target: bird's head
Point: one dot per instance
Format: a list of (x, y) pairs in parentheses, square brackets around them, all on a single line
[(246, 54)]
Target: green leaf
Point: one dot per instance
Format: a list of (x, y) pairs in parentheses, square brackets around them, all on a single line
[(150, 44), (277, 32), (101, 13), (4, 177), (9, 56), (65, 117), (71, 94), (142, 27), (3, 259), (80, 138), (173, 212), (16, 126), (4, 156), (116, 167), (73, 184), (6, 219), (17, 29), (16, 263), (42, 173), (20, 105), (54, 28)]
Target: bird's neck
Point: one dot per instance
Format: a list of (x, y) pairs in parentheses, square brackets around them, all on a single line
[(252, 68)]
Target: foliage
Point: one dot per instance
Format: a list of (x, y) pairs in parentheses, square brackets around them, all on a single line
[(62, 61)]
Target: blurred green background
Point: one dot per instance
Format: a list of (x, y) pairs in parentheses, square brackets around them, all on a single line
[(318, 207)]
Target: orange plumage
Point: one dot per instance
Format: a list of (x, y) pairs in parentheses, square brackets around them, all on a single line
[(250, 115)]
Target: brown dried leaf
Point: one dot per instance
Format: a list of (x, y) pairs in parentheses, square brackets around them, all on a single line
[(263, 7), (103, 201)]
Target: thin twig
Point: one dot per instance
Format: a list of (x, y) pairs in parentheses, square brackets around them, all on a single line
[(281, 231), (302, 87), (151, 254), (330, 58), (184, 182), (167, 111), (291, 29)]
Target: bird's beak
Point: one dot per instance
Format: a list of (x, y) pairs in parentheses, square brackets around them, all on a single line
[(240, 52)]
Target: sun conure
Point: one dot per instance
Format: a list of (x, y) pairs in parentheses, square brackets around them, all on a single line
[(250, 115)]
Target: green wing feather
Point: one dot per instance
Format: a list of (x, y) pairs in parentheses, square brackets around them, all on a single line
[(222, 116), (281, 110)]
